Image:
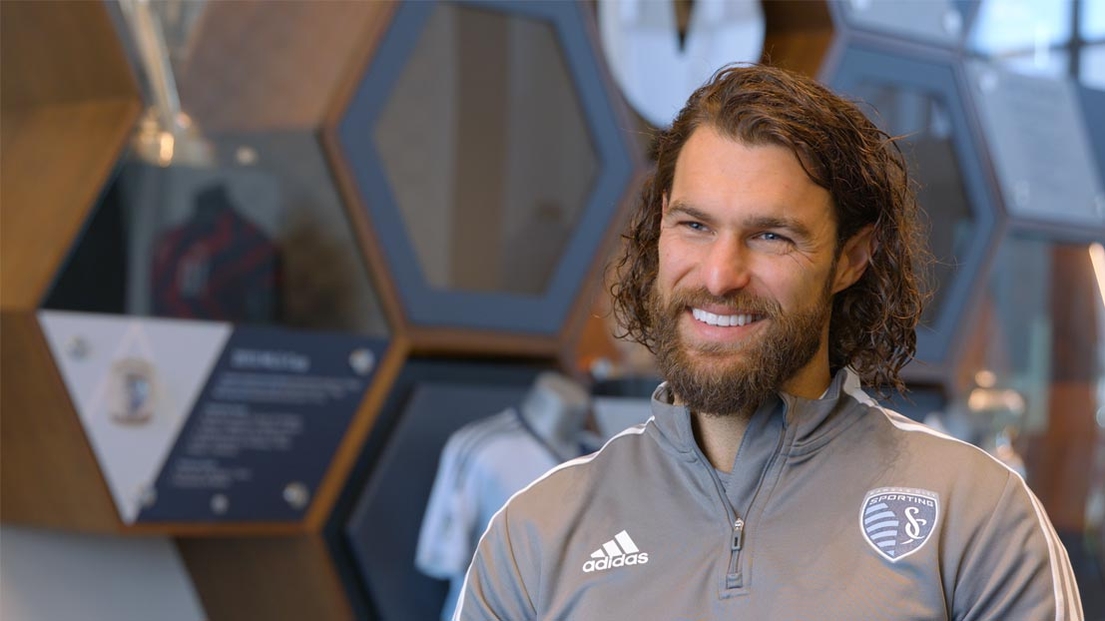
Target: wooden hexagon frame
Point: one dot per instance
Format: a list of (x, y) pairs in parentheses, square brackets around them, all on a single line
[(65, 82)]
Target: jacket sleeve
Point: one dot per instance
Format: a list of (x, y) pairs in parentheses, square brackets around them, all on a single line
[(495, 587), (1015, 567)]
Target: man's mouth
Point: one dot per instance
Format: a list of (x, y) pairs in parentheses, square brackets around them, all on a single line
[(712, 319)]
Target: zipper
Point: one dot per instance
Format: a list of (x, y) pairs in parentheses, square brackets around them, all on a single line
[(734, 578)]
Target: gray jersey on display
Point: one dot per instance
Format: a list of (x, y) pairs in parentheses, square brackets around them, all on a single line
[(835, 509)]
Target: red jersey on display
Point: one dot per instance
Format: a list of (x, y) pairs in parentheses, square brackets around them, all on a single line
[(218, 265)]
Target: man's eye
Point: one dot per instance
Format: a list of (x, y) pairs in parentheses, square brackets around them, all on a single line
[(769, 236), (696, 226)]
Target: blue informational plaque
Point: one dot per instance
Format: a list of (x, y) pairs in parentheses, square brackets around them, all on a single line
[(265, 428), (196, 421)]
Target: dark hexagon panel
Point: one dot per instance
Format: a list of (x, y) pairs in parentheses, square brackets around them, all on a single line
[(374, 529), (485, 147), (920, 98)]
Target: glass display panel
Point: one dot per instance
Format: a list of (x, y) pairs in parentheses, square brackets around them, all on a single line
[(208, 220), (1092, 66), (1051, 63), (1036, 37), (1093, 19), (1002, 27), (938, 21), (922, 120), (487, 151), (255, 234), (1031, 389)]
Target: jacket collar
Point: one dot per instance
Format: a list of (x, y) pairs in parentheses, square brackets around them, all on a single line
[(808, 422)]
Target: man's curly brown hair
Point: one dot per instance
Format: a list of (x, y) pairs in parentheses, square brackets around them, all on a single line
[(873, 321)]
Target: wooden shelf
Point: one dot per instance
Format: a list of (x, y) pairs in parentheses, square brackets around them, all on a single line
[(68, 103), (273, 578), (48, 473), (57, 158), (253, 66), (799, 35)]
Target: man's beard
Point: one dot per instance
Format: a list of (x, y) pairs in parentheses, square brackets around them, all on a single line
[(710, 381)]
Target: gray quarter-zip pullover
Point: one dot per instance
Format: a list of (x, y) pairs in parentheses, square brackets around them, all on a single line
[(835, 509)]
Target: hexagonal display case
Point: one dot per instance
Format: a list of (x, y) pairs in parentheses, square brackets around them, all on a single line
[(920, 100), (486, 148), (215, 324)]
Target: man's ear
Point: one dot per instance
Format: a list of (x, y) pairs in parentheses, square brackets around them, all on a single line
[(854, 258)]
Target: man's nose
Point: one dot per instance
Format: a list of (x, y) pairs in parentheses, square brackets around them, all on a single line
[(726, 266)]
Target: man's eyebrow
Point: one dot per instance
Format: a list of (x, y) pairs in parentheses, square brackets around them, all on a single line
[(687, 210), (797, 228)]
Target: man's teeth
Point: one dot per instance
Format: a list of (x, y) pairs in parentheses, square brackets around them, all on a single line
[(722, 320)]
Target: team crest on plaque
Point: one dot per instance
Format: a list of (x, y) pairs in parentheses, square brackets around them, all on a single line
[(898, 521), (132, 391)]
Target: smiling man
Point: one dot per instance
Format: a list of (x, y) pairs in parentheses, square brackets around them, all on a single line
[(748, 266), (772, 268)]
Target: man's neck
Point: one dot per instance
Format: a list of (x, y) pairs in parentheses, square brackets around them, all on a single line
[(720, 437)]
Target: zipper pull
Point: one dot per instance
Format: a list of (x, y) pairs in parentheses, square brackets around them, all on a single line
[(738, 533)]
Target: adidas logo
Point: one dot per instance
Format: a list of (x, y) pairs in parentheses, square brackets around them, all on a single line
[(618, 552)]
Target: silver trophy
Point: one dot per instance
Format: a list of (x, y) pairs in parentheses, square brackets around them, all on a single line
[(161, 30)]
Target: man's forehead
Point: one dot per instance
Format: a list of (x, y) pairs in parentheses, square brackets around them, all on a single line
[(720, 136), (718, 148)]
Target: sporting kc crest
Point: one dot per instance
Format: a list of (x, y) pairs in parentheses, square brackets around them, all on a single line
[(897, 521)]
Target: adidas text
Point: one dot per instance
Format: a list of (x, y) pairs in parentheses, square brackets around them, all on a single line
[(618, 561)]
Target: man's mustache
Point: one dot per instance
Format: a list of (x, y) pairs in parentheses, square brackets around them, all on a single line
[(739, 302)]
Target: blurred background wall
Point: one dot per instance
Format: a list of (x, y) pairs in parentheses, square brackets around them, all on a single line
[(260, 261)]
